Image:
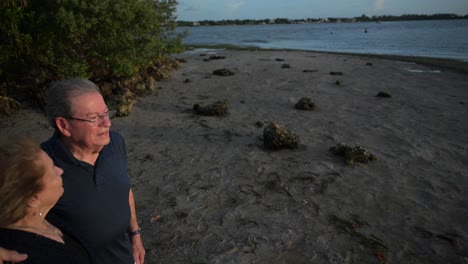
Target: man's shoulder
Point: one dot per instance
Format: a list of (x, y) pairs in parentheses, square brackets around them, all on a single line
[(117, 143), (116, 138)]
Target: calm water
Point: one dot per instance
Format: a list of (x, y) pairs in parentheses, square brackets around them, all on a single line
[(436, 38)]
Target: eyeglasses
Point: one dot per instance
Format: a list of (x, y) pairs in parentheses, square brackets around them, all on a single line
[(94, 121)]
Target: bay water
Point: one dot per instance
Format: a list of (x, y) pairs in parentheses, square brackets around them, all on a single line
[(425, 38)]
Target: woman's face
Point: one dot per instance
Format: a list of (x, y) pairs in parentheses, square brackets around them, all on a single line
[(52, 181)]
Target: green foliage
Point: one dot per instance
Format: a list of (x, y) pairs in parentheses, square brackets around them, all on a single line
[(96, 39)]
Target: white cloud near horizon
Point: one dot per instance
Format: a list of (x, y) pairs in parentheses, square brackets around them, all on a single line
[(233, 6), (194, 7), (378, 5)]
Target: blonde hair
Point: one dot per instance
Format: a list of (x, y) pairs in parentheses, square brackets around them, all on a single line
[(21, 175)]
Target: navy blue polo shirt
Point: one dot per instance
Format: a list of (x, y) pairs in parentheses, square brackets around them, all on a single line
[(94, 207)]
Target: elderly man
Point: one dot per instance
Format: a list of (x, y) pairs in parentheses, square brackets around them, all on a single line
[(97, 207)]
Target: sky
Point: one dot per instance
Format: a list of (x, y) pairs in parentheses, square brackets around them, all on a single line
[(197, 10)]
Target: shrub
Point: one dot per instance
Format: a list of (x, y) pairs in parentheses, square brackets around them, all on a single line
[(45, 40)]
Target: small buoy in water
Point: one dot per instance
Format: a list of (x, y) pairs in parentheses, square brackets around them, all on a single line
[(365, 30)]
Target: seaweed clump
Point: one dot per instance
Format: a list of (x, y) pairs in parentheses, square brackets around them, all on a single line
[(8, 105), (384, 95), (305, 103), (276, 137), (336, 73), (124, 103), (217, 108), (356, 154), (223, 72), (215, 57)]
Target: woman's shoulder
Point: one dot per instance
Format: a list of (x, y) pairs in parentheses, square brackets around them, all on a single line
[(15, 237), (39, 249)]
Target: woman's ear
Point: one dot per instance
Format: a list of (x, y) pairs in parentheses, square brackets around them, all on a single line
[(63, 126), (34, 202)]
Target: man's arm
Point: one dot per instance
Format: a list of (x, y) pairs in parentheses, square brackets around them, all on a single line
[(11, 255), (137, 244)]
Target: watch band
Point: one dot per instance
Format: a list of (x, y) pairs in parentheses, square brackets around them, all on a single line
[(134, 233)]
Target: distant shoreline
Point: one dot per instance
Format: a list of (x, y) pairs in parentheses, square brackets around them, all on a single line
[(452, 64), (363, 18)]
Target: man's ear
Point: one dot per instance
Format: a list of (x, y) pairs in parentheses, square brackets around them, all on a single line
[(63, 126), (34, 202)]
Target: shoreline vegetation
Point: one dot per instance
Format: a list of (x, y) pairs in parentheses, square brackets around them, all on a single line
[(363, 18), (122, 45)]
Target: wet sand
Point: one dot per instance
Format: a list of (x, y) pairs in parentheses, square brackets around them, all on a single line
[(208, 191)]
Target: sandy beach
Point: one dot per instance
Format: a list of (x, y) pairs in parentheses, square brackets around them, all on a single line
[(208, 191)]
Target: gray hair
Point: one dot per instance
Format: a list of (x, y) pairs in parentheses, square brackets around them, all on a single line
[(59, 94)]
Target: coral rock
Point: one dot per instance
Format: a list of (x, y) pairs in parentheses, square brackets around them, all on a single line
[(384, 95), (8, 105), (336, 73), (125, 103), (217, 108), (353, 154), (215, 57), (305, 103), (223, 72), (276, 137)]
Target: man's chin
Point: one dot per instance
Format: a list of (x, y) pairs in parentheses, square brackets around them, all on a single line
[(101, 139), (105, 141)]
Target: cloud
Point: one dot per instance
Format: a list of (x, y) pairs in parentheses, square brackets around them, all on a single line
[(379, 5), (234, 5), (192, 8)]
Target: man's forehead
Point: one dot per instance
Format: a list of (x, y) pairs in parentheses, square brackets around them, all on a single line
[(88, 103)]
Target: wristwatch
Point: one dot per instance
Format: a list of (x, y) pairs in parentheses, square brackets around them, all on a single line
[(134, 233)]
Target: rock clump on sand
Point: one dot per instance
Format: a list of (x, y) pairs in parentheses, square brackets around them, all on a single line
[(384, 95), (223, 72), (356, 154), (305, 103), (181, 60), (259, 124), (276, 137), (215, 57), (217, 108), (8, 105), (124, 103), (336, 73)]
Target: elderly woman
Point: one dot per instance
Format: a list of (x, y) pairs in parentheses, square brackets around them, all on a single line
[(30, 185)]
